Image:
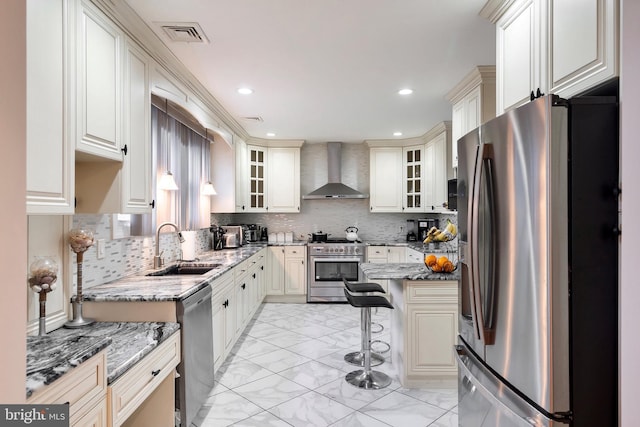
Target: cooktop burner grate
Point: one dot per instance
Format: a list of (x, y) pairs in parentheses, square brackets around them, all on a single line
[(335, 240)]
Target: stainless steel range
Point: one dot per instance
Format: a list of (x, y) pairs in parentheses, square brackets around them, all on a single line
[(329, 263)]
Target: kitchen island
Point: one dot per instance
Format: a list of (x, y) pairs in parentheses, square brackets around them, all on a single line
[(424, 321)]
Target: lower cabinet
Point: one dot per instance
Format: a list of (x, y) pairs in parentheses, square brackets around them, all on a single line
[(84, 388), (287, 273), (139, 397), (224, 319), (383, 255), (429, 312)]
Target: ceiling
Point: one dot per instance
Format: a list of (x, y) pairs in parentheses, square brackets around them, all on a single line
[(330, 70)]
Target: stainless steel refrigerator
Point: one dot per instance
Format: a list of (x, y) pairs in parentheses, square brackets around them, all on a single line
[(537, 215)]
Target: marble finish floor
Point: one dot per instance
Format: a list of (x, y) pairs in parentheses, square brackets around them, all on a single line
[(287, 369)]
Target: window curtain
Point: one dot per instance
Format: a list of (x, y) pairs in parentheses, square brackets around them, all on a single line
[(186, 154)]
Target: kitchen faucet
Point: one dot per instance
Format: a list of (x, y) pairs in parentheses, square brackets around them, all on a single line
[(157, 259)]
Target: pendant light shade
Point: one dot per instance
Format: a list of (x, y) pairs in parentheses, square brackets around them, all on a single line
[(167, 182), (208, 190)]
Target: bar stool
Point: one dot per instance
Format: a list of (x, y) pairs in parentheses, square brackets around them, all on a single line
[(357, 357), (367, 378)]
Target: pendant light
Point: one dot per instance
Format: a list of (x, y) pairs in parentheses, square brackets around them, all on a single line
[(167, 181), (208, 190)]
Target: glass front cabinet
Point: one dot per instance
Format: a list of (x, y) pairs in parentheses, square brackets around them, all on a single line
[(413, 169)]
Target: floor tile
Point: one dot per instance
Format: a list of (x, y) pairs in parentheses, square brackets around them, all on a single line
[(358, 419), (261, 330), (224, 409), (400, 410), (311, 409), (336, 360), (270, 391), (316, 348), (251, 347), (445, 398), (285, 338), (341, 391), (279, 360), (450, 419), (312, 374), (314, 330), (239, 372), (348, 338), (263, 419)]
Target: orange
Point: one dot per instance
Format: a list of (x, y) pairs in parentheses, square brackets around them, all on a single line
[(436, 268), (442, 261), (448, 267), (430, 260)]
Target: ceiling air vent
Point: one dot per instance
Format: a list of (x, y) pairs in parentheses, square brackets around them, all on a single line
[(253, 119), (185, 32)]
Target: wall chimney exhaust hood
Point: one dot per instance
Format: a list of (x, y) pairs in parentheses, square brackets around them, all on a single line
[(335, 189)]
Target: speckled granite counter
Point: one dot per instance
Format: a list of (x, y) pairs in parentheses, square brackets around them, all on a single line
[(404, 271), (171, 288), (439, 247), (50, 356), (294, 243)]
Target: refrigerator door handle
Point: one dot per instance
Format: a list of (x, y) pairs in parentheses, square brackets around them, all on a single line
[(483, 303)]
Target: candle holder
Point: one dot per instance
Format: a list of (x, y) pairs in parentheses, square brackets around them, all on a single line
[(43, 275), (80, 240)]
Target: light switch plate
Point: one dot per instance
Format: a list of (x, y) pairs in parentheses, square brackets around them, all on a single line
[(101, 248)]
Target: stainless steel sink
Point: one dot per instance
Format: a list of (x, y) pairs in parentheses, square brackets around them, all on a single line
[(182, 270)]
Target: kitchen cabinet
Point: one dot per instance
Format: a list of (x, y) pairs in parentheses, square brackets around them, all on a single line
[(84, 388), (378, 255), (554, 47), (437, 169), (241, 184), (257, 178), (414, 255), (99, 84), (144, 388), (287, 275), (413, 170), (224, 318), (50, 106), (243, 296), (229, 166), (473, 103), (386, 179), (283, 179)]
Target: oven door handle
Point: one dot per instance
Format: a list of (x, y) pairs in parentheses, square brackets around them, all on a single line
[(339, 259)]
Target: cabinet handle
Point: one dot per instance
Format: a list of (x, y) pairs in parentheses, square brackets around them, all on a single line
[(254, 275), (155, 373), (302, 262), (152, 204), (124, 149), (244, 285), (262, 267)]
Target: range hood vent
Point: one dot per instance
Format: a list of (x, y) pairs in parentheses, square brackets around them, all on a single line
[(335, 189)]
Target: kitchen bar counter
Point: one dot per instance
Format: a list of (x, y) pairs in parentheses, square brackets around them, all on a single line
[(404, 271), (52, 355)]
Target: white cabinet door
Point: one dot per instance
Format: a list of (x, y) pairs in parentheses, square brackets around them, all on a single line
[(583, 44), (99, 85), (275, 276), (386, 179), (518, 56), (436, 165), (242, 176), (413, 179), (136, 167), (50, 113), (458, 128), (396, 254), (218, 312), (295, 281), (283, 179), (257, 179)]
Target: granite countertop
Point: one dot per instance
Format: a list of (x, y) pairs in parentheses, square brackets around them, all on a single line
[(439, 247), (404, 271), (140, 287), (294, 243), (52, 355)]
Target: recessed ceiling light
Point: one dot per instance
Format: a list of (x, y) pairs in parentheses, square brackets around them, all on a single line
[(397, 134), (245, 91), (406, 91), (271, 134)]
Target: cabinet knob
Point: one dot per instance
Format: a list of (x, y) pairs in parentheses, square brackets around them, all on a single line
[(152, 204), (254, 275), (155, 373), (244, 285), (124, 149)]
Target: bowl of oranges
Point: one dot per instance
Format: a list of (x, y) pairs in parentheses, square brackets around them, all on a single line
[(440, 264)]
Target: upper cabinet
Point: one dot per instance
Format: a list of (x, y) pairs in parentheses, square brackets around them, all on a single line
[(99, 88), (263, 176), (556, 47), (411, 175), (474, 102), (50, 107)]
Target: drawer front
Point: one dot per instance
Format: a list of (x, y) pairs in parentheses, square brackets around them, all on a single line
[(241, 269), (78, 386), (435, 291), (94, 416), (294, 251), (377, 252), (130, 390)]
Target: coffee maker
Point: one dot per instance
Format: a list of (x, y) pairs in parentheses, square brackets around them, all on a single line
[(411, 230), (424, 225)]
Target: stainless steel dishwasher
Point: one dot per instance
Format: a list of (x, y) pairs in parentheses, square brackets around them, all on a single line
[(196, 365)]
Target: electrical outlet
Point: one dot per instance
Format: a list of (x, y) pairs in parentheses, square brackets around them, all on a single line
[(101, 248), (400, 229)]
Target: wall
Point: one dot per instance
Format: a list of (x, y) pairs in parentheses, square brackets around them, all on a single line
[(333, 216), (13, 215), (629, 252)]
